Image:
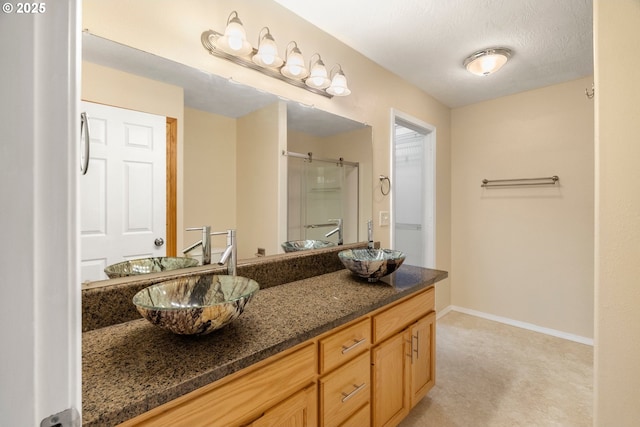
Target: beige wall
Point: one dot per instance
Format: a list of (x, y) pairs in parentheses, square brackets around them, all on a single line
[(170, 29), (209, 191), (525, 253), (260, 137), (617, 334)]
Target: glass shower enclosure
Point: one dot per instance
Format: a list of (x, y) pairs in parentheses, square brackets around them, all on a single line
[(321, 191)]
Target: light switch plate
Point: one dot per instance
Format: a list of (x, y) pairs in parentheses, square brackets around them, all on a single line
[(384, 218)]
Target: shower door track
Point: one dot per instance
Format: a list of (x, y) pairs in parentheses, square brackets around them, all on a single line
[(309, 156)]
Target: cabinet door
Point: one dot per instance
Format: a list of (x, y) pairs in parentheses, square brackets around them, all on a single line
[(423, 360), (299, 410), (390, 380)]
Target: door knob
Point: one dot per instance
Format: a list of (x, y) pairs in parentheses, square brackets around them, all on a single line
[(159, 242)]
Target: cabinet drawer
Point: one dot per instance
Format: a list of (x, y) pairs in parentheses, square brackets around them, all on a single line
[(344, 345), (360, 418), (345, 390), (401, 315), (230, 403)]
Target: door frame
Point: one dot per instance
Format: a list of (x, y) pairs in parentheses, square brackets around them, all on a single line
[(41, 364), (429, 230), (172, 187)]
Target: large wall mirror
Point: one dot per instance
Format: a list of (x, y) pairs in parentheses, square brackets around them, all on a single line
[(242, 159)]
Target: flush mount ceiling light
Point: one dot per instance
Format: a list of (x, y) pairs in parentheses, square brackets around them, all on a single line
[(233, 46), (487, 61)]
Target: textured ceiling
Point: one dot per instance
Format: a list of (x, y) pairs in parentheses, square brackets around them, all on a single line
[(426, 41)]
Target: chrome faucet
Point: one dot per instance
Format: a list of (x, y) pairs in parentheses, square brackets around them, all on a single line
[(205, 243), (338, 230), (370, 234), (230, 256)]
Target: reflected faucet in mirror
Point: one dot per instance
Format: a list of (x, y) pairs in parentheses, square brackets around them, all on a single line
[(205, 243), (229, 256), (338, 229)]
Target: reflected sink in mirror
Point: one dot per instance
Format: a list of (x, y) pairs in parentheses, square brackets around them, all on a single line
[(305, 245), (195, 305), (371, 264), (139, 266)]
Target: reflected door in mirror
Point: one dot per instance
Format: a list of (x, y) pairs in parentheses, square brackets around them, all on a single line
[(122, 197)]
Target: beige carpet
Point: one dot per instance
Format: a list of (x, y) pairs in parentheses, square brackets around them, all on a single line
[(491, 374)]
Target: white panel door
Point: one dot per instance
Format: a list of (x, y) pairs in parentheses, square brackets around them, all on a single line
[(123, 204)]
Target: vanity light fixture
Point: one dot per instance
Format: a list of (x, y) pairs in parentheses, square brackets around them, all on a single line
[(487, 61), (294, 63), (338, 82), (267, 55), (233, 46), (318, 78), (234, 40)]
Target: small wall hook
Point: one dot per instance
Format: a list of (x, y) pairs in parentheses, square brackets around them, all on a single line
[(593, 92)]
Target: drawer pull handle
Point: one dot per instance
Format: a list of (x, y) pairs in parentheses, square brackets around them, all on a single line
[(347, 396), (356, 343)]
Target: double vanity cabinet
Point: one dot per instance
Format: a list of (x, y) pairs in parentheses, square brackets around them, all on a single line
[(329, 350)]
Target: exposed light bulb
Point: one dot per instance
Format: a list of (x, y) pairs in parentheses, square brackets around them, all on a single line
[(296, 70), (294, 67), (338, 84), (267, 53), (235, 35), (318, 78)]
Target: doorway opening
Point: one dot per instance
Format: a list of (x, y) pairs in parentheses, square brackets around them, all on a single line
[(413, 189)]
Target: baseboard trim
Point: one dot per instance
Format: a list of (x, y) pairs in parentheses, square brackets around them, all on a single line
[(518, 324), (444, 311)]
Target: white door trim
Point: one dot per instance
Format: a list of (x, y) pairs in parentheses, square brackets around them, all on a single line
[(40, 364)]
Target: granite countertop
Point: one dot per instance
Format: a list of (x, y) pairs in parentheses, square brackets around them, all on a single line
[(132, 367)]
